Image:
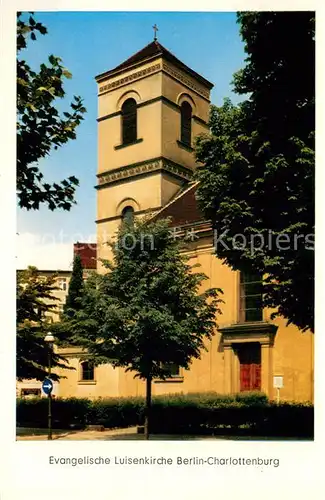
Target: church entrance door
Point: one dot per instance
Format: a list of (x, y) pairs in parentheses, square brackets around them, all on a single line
[(249, 356)]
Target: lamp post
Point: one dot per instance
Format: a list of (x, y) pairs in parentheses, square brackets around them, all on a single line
[(49, 338)]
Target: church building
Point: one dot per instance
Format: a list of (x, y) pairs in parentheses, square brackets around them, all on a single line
[(150, 109)]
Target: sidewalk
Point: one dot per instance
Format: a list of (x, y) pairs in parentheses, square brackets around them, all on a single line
[(82, 435), (130, 433)]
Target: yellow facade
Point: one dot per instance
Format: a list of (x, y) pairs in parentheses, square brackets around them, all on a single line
[(147, 175), (287, 352)]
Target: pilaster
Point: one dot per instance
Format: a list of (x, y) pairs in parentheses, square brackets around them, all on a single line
[(267, 368), (228, 358)]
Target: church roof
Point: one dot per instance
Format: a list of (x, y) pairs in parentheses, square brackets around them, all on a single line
[(152, 51), (183, 209)]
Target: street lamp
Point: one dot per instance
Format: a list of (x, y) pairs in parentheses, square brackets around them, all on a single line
[(49, 338)]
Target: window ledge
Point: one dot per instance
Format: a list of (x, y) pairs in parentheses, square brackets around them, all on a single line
[(185, 146), (120, 146), (87, 382), (169, 380)]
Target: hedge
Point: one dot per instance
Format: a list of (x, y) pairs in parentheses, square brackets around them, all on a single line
[(196, 413)]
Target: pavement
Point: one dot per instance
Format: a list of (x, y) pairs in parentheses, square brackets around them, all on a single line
[(107, 434), (130, 434), (127, 434)]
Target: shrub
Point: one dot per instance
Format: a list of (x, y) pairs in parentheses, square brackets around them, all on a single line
[(251, 398), (196, 413), (288, 419), (116, 412), (65, 412)]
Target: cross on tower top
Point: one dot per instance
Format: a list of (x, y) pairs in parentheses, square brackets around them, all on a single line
[(155, 28)]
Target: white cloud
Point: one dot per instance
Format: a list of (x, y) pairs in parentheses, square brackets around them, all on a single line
[(45, 252)]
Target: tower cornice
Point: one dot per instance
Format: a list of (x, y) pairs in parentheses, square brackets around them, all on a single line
[(146, 167)]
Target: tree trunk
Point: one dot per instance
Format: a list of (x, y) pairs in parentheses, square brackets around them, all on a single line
[(147, 408)]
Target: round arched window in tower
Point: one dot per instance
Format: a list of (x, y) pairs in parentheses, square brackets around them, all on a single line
[(129, 121), (128, 215), (186, 123)]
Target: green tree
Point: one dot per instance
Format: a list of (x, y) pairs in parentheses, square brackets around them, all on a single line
[(76, 288), (148, 310), (35, 303), (40, 127), (258, 179)]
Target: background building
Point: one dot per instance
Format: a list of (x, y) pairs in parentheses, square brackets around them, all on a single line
[(87, 252)]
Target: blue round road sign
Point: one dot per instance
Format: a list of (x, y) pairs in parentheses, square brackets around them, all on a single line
[(47, 386)]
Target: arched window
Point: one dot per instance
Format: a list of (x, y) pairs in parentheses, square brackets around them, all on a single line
[(186, 123), (128, 214), (129, 121), (87, 370)]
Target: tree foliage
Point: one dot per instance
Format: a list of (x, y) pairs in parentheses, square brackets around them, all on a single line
[(76, 287), (258, 179), (40, 127), (35, 304), (149, 309)]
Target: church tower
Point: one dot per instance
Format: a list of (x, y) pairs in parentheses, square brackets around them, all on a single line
[(150, 108)]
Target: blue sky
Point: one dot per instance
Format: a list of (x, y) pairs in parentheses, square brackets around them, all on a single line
[(93, 42)]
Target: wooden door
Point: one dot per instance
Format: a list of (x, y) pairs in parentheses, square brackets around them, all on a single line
[(250, 366)]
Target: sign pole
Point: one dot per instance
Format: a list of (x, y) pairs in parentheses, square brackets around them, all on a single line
[(278, 395), (47, 385), (50, 399)]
